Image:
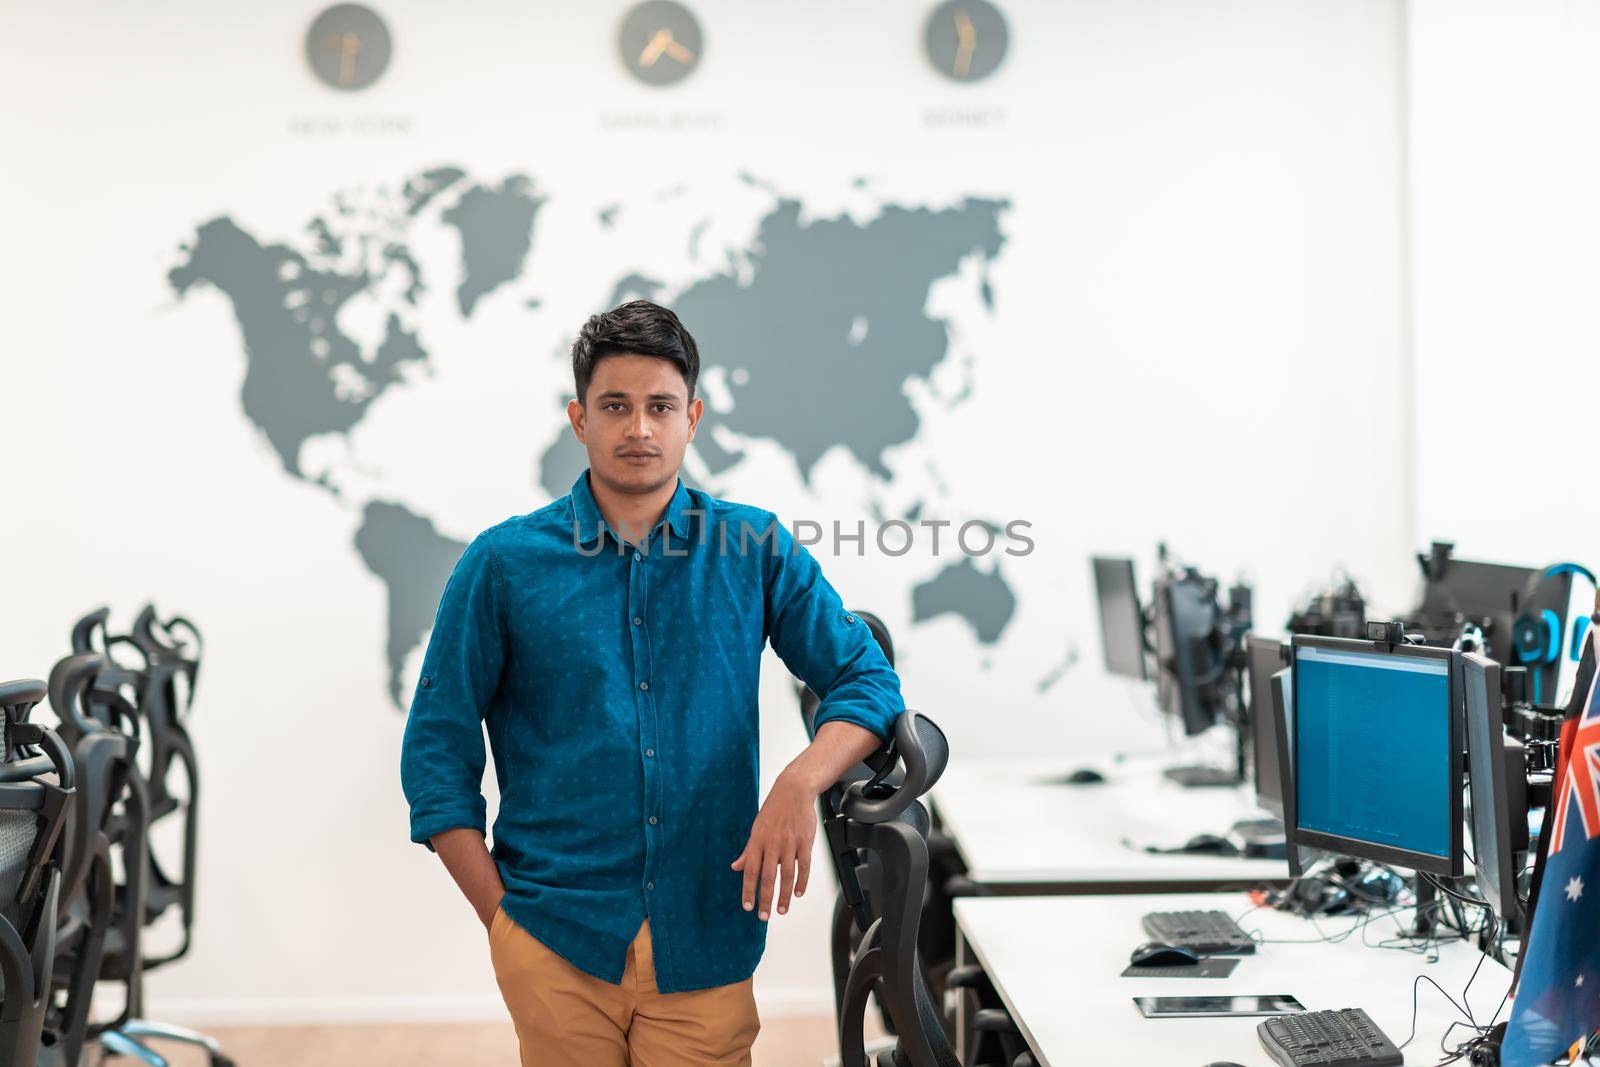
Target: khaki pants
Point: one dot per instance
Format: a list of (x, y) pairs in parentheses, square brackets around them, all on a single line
[(566, 1017)]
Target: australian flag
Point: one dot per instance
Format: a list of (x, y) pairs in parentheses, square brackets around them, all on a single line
[(1558, 992)]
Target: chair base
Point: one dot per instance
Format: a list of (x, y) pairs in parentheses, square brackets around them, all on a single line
[(874, 1048), (129, 1040)]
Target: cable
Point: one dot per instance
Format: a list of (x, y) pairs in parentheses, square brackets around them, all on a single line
[(1362, 920), (1408, 942), (1464, 1048), (1447, 891), (1466, 989), (1416, 986)]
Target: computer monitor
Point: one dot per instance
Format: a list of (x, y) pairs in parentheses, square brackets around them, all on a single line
[(1121, 620), (1265, 655), (1189, 675), (1497, 793), (1378, 772), (1282, 718), (1462, 590)]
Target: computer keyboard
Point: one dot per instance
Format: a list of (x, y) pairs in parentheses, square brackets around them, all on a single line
[(1203, 931), (1342, 1038)]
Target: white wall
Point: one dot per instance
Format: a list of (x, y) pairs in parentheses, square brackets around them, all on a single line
[(1503, 101), (1202, 283)]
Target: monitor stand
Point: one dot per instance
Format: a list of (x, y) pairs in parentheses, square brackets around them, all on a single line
[(1263, 838), (1425, 918), (1202, 777)]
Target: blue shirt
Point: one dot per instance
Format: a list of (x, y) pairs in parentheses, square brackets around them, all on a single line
[(618, 684)]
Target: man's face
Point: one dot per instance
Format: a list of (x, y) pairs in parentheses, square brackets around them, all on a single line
[(636, 422)]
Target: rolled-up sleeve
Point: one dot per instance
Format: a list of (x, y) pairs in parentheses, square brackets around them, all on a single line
[(823, 643), (442, 754)]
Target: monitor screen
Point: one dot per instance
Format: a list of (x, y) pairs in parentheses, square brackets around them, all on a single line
[(1121, 621), (1492, 845), (1185, 623), (1266, 659), (1376, 748)]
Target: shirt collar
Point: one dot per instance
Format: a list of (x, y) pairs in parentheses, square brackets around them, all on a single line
[(678, 510), (588, 521)]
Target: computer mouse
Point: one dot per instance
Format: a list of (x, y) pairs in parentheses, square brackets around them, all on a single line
[(1211, 843), (1085, 776), (1161, 954), (1224, 1063)]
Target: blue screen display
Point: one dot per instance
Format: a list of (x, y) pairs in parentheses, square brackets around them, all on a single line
[(1373, 750)]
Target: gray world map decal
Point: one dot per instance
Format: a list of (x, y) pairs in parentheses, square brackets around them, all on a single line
[(848, 348)]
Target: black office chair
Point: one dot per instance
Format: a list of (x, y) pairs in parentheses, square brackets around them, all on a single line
[(162, 686), (877, 833), (34, 810), (171, 672), (94, 912), (937, 931), (844, 936)]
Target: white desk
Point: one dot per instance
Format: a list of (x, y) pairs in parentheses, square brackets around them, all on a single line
[(1056, 963), (1019, 833)]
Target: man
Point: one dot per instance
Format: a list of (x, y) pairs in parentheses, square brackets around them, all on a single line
[(611, 642)]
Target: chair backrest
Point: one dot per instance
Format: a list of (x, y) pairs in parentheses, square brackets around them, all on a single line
[(844, 932), (91, 635), (174, 666), (878, 834), (163, 640), (103, 759), (165, 689), (92, 632), (36, 800), (172, 750), (161, 689)]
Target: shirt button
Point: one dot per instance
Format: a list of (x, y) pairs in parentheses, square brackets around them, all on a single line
[(644, 685), (649, 885), (652, 820), (638, 621), (649, 753), (638, 557)]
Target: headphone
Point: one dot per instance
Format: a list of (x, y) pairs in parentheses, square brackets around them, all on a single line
[(1537, 637)]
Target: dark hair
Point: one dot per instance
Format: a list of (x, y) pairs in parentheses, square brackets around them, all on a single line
[(636, 328)]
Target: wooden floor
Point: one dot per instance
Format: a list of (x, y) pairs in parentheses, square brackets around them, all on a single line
[(784, 1042)]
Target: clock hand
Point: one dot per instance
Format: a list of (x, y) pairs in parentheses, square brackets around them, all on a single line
[(678, 52), (660, 41), (966, 43), (349, 44)]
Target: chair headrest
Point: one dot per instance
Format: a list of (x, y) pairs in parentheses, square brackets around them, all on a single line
[(70, 679), (160, 639), (920, 747), (23, 693), (83, 631)]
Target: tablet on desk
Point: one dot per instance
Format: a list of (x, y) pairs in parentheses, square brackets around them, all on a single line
[(1211, 1007)]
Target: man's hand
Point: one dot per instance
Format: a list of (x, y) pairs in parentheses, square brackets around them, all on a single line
[(778, 853), (467, 859), (785, 828)]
